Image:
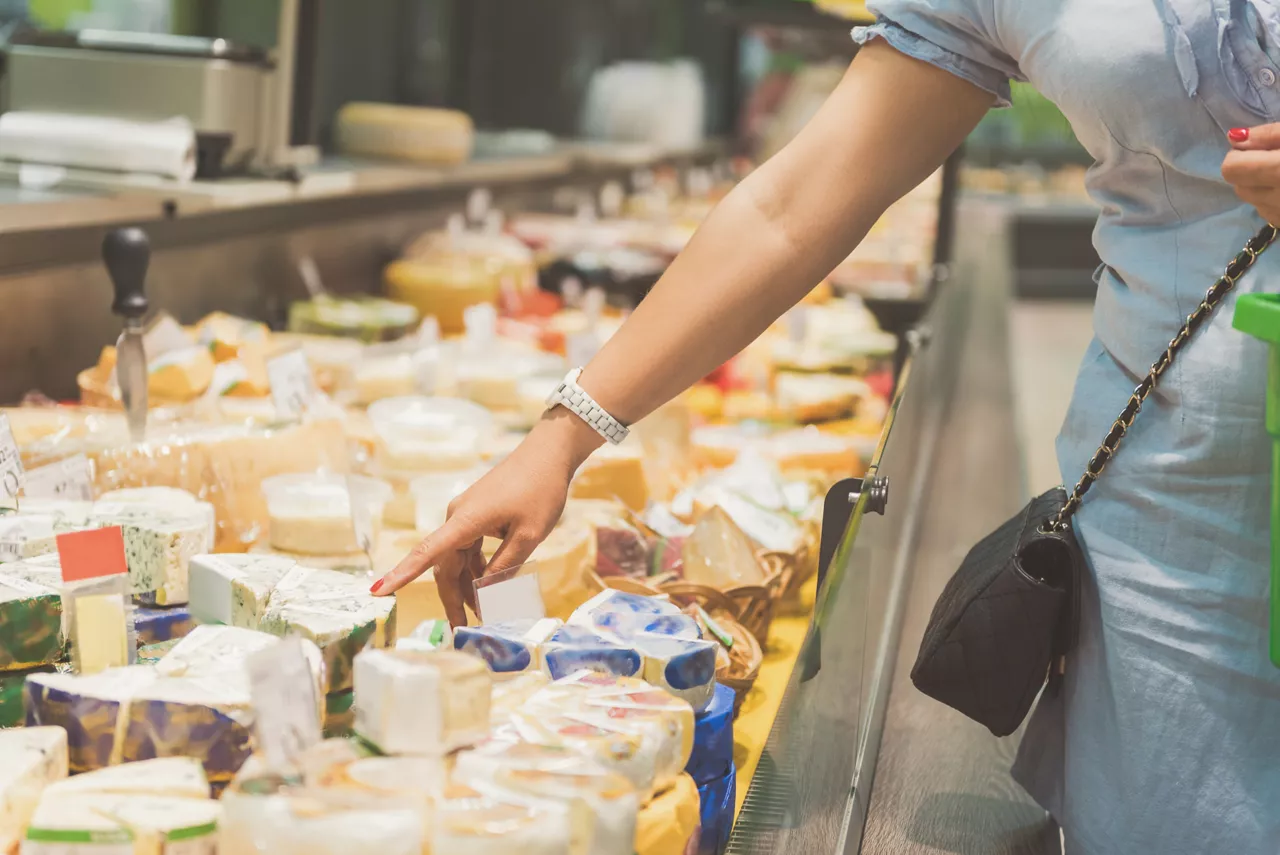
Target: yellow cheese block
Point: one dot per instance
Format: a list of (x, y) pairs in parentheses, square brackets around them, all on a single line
[(442, 286), (614, 472), (224, 335), (666, 824), (420, 134), (180, 375)]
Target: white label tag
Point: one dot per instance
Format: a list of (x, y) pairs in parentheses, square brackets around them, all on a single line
[(428, 332), (292, 389), (164, 335), (797, 324), (286, 712), (361, 516), (481, 321), (513, 594), (664, 523), (71, 478), (310, 276), (13, 537), (11, 473)]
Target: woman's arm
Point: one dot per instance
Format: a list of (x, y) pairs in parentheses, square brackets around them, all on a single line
[(888, 125)]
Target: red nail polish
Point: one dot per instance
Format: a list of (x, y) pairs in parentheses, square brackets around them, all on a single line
[(1238, 134), (376, 586)]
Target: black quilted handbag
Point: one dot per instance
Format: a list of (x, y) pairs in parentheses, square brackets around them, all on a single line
[(1007, 619)]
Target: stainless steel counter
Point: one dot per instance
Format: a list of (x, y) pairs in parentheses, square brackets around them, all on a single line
[(858, 761)]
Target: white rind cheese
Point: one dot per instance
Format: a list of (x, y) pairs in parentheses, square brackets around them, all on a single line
[(110, 824), (30, 760), (421, 703), (178, 777)]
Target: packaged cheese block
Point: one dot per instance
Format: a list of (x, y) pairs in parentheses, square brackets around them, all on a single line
[(430, 635), (571, 649), (27, 535), (488, 760), (600, 806), (30, 622), (712, 753), (468, 823), (339, 714), (507, 648), (234, 589), (178, 777), (619, 750), (420, 134), (421, 777), (158, 546), (719, 554), (719, 799), (167, 499), (620, 612), (313, 513), (336, 611), (179, 375), (442, 286), (30, 760), (265, 818), (668, 825), (614, 472), (685, 668), (421, 703), (510, 695), (194, 703), (223, 464)]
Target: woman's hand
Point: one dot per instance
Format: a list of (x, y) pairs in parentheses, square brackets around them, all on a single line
[(1252, 168), (519, 502)]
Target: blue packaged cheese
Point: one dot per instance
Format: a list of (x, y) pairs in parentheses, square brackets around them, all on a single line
[(618, 613), (685, 668), (512, 647), (718, 799), (713, 738), (155, 625), (571, 649)]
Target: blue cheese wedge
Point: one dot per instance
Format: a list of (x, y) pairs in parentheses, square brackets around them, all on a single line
[(571, 649), (234, 589), (31, 759), (158, 546), (170, 498), (513, 647), (685, 668), (421, 703)]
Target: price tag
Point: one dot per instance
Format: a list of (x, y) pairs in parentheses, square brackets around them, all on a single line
[(361, 515), (11, 473), (798, 324), (292, 389), (163, 336), (71, 478), (310, 276), (428, 332), (478, 205), (481, 321), (92, 554), (226, 376), (513, 594), (286, 711), (593, 305), (13, 537)]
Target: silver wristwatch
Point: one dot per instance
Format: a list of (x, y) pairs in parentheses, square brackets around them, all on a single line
[(574, 398)]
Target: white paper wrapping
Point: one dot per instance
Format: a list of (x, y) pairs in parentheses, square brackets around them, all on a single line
[(164, 148)]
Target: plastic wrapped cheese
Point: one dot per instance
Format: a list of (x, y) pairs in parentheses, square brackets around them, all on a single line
[(617, 749), (265, 818), (421, 703), (157, 624), (507, 648), (194, 702), (112, 824), (30, 760), (668, 825), (30, 621), (571, 649), (613, 610), (425, 434), (313, 513), (428, 636), (468, 824), (719, 554), (181, 777), (685, 668)]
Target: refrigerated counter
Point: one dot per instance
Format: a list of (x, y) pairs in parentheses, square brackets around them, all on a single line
[(857, 760)]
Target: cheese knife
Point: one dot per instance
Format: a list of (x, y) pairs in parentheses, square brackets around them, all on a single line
[(127, 252)]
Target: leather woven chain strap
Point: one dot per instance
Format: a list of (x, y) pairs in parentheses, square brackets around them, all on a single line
[(1111, 444)]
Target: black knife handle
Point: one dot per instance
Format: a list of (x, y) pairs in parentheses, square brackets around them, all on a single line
[(127, 252)]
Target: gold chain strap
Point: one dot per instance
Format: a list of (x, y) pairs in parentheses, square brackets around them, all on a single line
[(1111, 443)]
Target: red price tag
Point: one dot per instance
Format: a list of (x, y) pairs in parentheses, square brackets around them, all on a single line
[(92, 554)]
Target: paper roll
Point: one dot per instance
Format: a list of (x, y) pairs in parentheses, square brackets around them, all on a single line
[(96, 142)]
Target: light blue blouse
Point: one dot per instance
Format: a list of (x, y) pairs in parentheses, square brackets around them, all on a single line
[(1166, 738)]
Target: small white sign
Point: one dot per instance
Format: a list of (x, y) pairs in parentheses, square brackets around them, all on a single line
[(292, 389), (581, 347), (71, 478), (286, 711), (513, 594), (13, 537), (226, 375), (11, 472), (361, 515)]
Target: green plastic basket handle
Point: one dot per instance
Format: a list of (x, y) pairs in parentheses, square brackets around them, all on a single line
[(1259, 316)]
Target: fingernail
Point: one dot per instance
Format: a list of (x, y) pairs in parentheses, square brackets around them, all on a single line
[(376, 586), (1238, 134)]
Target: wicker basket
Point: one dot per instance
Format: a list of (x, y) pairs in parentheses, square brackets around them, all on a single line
[(745, 658)]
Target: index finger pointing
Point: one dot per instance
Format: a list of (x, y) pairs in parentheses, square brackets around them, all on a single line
[(456, 533)]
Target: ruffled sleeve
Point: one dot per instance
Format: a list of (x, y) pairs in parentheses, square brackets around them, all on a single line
[(955, 35)]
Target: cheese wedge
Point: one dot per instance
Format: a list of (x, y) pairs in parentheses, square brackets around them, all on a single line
[(507, 648), (30, 620), (685, 668), (234, 589), (178, 777), (317, 821), (109, 824), (30, 760), (719, 554), (618, 611), (421, 703), (158, 545), (479, 826), (624, 751), (166, 499)]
